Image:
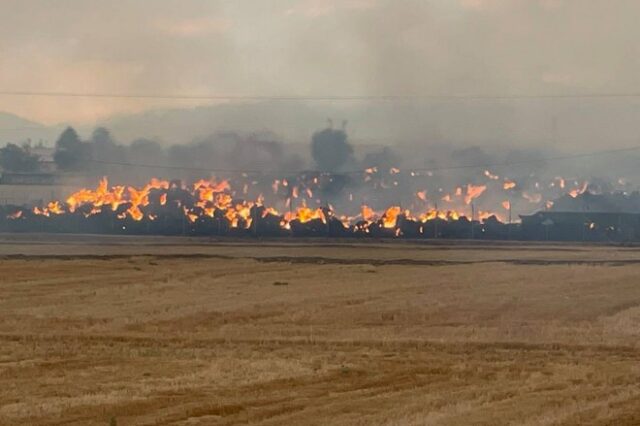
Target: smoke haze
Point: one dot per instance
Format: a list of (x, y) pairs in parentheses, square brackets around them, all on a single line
[(331, 47)]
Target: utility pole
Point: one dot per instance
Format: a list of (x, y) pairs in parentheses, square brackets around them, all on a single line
[(473, 214), (509, 225), (327, 218), (254, 220), (435, 223)]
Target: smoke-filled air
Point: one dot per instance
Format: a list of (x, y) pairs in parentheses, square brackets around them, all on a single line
[(458, 119)]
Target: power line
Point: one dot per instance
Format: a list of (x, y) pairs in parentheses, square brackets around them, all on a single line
[(351, 172), (199, 169), (8, 129), (381, 98)]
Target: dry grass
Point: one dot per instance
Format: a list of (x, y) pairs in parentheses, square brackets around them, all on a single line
[(198, 333)]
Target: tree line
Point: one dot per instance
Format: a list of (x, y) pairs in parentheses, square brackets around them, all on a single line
[(330, 151), (71, 153)]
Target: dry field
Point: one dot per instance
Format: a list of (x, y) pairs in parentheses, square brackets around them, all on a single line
[(167, 331)]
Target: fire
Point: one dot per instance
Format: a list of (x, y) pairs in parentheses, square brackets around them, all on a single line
[(215, 186), (439, 214), (508, 185), (473, 192), (54, 207), (306, 214), (390, 217), (244, 211), (270, 211), (575, 192), (532, 198), (191, 216), (215, 202), (490, 175), (484, 215), (138, 198), (99, 197), (135, 213), (367, 213)]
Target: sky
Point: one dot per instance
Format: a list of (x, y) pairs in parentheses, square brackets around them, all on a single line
[(307, 48)]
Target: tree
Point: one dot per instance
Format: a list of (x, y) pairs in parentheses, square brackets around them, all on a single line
[(146, 151), (330, 149), (71, 153), (106, 153), (14, 158), (102, 137)]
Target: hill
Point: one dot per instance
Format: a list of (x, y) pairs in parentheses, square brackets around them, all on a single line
[(15, 129)]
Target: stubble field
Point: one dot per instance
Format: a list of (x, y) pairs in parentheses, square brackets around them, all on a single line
[(170, 331)]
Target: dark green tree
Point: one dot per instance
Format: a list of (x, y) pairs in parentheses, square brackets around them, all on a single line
[(102, 137), (15, 158), (106, 153), (330, 149), (71, 153), (146, 151)]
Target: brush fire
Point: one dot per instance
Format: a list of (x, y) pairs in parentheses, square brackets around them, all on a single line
[(304, 206)]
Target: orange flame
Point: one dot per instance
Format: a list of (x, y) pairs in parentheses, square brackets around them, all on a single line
[(508, 185), (473, 192), (390, 217), (575, 192)]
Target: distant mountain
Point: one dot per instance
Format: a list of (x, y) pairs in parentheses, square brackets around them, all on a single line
[(15, 129), (11, 120), (567, 124)]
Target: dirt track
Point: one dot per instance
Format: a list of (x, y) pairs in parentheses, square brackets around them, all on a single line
[(156, 331)]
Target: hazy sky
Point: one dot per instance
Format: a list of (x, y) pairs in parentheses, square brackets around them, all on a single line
[(308, 47)]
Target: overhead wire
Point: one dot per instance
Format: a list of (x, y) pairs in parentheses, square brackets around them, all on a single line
[(382, 97)]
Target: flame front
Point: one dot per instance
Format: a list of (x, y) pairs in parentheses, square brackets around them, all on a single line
[(214, 201)]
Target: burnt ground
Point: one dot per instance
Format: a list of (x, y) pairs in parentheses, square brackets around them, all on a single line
[(157, 331)]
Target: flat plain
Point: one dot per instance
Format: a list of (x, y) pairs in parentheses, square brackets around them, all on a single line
[(184, 331)]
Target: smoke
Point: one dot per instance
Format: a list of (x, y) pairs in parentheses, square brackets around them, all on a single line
[(217, 154), (332, 171), (409, 49), (364, 47)]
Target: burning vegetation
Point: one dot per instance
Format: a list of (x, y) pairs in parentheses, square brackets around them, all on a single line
[(343, 196), (291, 206)]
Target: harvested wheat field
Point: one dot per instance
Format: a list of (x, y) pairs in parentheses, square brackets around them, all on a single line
[(169, 331)]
